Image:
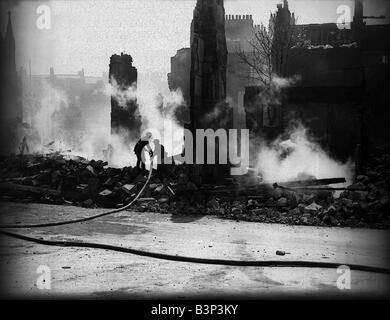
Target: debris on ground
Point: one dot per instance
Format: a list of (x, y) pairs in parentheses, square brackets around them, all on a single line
[(281, 253), (65, 180)]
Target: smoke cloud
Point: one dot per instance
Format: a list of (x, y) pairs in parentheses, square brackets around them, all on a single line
[(294, 154), (71, 126), (157, 110), (298, 157), (80, 126)]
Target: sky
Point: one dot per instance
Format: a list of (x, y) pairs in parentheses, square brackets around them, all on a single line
[(85, 33)]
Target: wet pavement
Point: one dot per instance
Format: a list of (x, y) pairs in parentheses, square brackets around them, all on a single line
[(97, 273)]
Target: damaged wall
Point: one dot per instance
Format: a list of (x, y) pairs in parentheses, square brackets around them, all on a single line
[(208, 60), (208, 75), (125, 119)]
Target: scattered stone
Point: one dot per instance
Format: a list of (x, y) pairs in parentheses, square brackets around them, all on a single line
[(333, 221), (357, 186), (252, 204), (213, 204), (90, 169), (362, 178), (313, 208), (301, 207), (159, 188), (359, 195), (330, 210), (259, 211), (88, 203), (236, 211), (128, 188), (191, 186), (105, 193), (146, 200), (326, 219), (153, 186), (308, 199), (54, 179), (163, 199), (295, 211), (282, 202)]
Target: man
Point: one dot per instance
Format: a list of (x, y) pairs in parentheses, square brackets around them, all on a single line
[(139, 147), (161, 158), (159, 152)]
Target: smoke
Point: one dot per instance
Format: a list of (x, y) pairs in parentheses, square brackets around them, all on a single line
[(51, 118), (125, 113), (298, 156), (42, 112), (220, 116), (273, 94), (72, 125), (294, 154), (157, 108), (122, 95), (157, 111), (82, 126), (77, 125)]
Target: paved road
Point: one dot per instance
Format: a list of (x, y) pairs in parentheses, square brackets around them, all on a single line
[(92, 273)]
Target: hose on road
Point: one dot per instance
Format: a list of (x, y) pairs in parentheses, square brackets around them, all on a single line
[(242, 263)]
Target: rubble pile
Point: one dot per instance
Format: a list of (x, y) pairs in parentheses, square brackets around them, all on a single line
[(76, 181), (362, 204), (55, 179)]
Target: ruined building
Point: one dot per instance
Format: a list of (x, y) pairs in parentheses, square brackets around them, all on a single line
[(239, 29), (208, 60), (11, 111), (281, 27), (179, 78), (341, 68), (341, 96), (208, 76), (125, 117)]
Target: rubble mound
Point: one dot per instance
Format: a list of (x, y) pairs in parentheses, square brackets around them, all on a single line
[(65, 180)]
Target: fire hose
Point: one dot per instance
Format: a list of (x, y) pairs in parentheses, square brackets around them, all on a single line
[(225, 262), (178, 258)]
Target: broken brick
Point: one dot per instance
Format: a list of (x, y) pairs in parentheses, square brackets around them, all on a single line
[(105, 193), (128, 188)]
